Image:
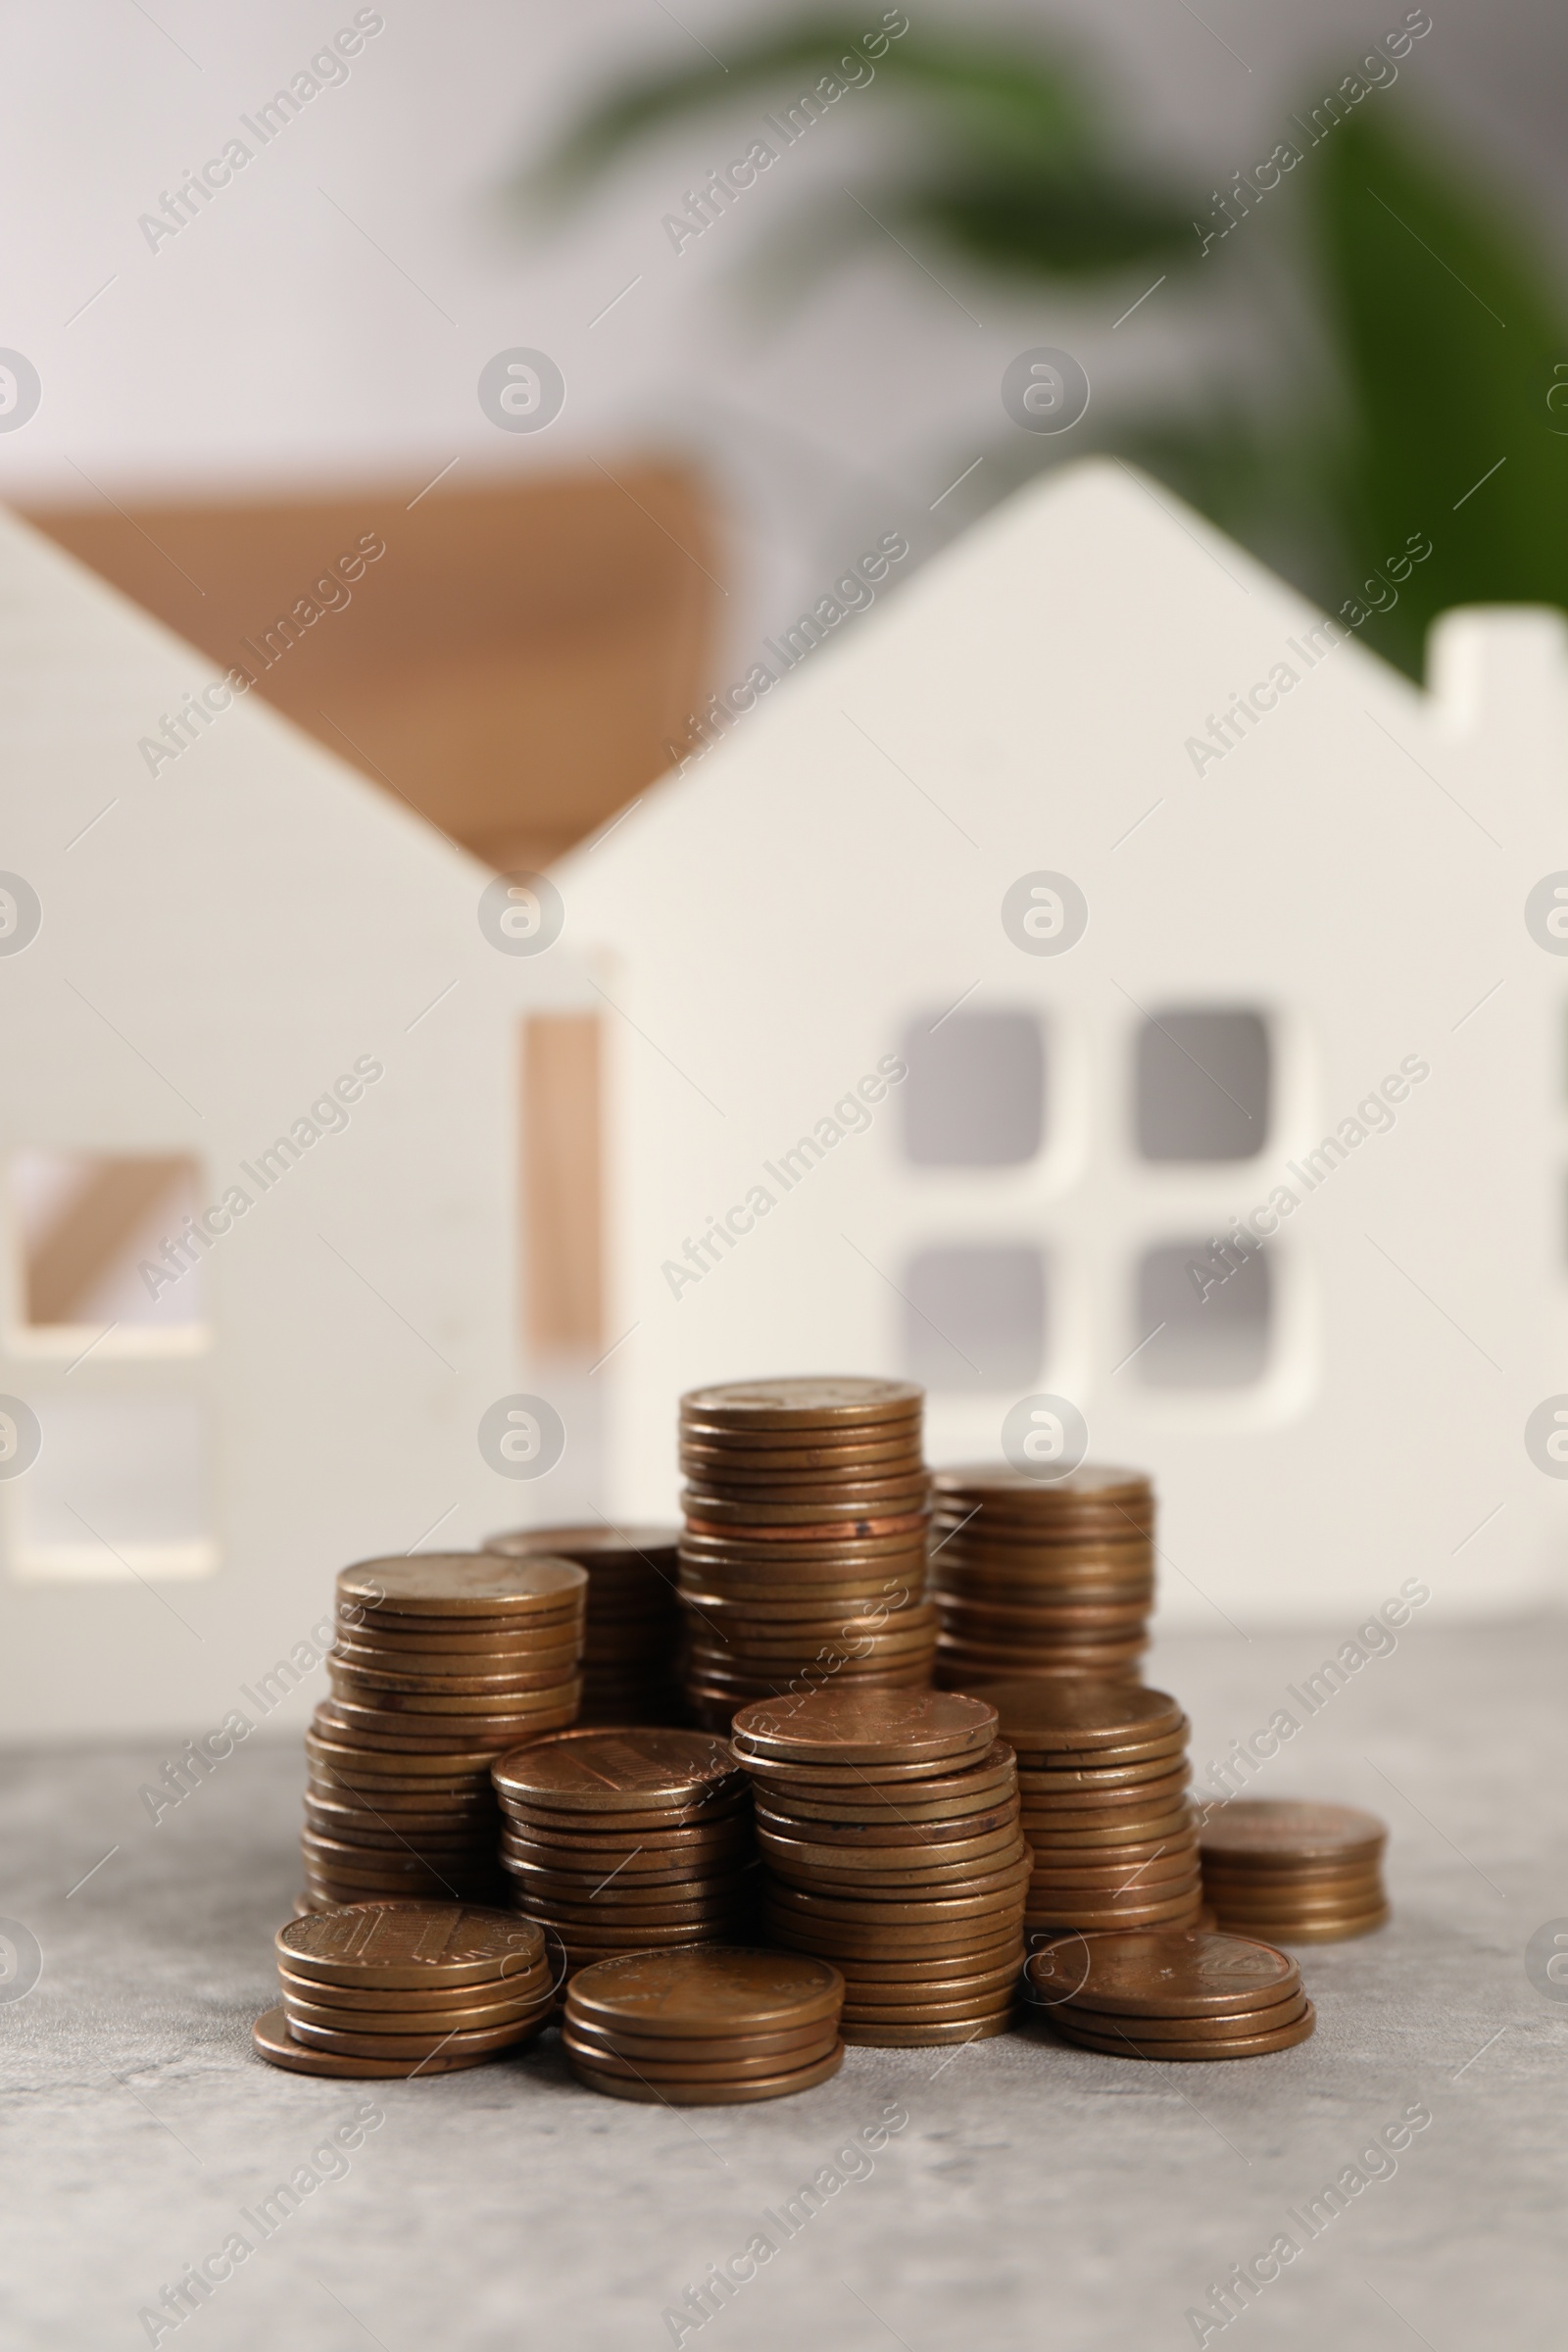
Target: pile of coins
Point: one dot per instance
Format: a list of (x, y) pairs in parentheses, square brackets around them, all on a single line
[(1171, 1994), (888, 1823), (705, 2029), (803, 1558), (443, 1661), (404, 1988), (631, 1647), (1294, 1872), (1102, 1773), (627, 1840), (1031, 1577)]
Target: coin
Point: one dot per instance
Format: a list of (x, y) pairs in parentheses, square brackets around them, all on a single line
[(1297, 1930), (351, 2044), (1235, 2024), (791, 2046), (396, 1944), (521, 1989), (595, 2052), (709, 2094), (707, 1990), (838, 1728), (271, 2040), (602, 1772), (1176, 1973), (1258, 2045), (801, 1402), (461, 1583), (1279, 1829), (495, 2016), (594, 1546)]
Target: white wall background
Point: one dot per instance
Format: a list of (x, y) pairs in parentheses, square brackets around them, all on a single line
[(326, 318)]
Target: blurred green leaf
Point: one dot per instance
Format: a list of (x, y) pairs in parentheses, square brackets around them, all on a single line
[(993, 100), (1448, 339)]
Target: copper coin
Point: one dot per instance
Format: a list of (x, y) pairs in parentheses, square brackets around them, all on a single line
[(793, 1859), (621, 1770), (1173, 1974), (709, 2094), (913, 2037), (888, 1976), (429, 2024), (520, 1987), (1277, 1830), (838, 1728), (1002, 2002), (840, 1939), (352, 2045), (724, 1462), (1129, 1837), (551, 1829), (271, 2040), (889, 1781), (1257, 2045), (1237, 2024), (697, 2071), (591, 1546), (646, 1850), (1356, 1895), (1341, 1930), (792, 1522), (704, 1992), (361, 1676), (988, 1481), (1263, 1876), (437, 1733), (413, 1944), (334, 1745), (462, 1653), (1054, 1768), (461, 1583), (886, 1831), (1117, 1919), (785, 2047), (1157, 1878), (722, 1933), (812, 1402)]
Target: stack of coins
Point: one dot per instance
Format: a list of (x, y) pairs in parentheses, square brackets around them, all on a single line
[(631, 1647), (705, 2029), (625, 1841), (1171, 1994), (803, 1558), (443, 1661), (888, 1823), (404, 1989), (1102, 1773), (1031, 1577), (1294, 1872)]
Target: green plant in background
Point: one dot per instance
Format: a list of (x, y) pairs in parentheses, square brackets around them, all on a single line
[(1441, 334)]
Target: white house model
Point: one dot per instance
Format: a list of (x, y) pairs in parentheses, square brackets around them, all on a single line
[(259, 1115), (1096, 978), (1095, 984)]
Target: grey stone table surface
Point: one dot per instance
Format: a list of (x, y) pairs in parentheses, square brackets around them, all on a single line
[(1025, 2194)]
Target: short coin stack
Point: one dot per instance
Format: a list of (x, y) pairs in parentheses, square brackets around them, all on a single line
[(631, 1647), (887, 1822), (404, 1989), (1031, 1577), (1171, 1994), (1102, 1774), (711, 2028), (625, 1841), (443, 1661), (1294, 1872), (803, 1554)]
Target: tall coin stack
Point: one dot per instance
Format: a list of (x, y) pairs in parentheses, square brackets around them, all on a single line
[(887, 1822), (1291, 1872), (1031, 1577), (443, 1661), (803, 1558), (631, 1650), (627, 1840), (1102, 1773)]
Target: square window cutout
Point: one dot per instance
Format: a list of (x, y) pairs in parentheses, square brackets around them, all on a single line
[(1204, 1084), (119, 1488), (1209, 1332), (975, 1097), (84, 1221), (974, 1316)]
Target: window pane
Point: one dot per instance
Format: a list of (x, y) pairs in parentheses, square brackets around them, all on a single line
[(975, 1097), (1210, 1316), (1204, 1085), (85, 1223), (975, 1317)]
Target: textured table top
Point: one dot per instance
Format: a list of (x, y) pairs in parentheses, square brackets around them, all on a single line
[(1015, 2194)]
